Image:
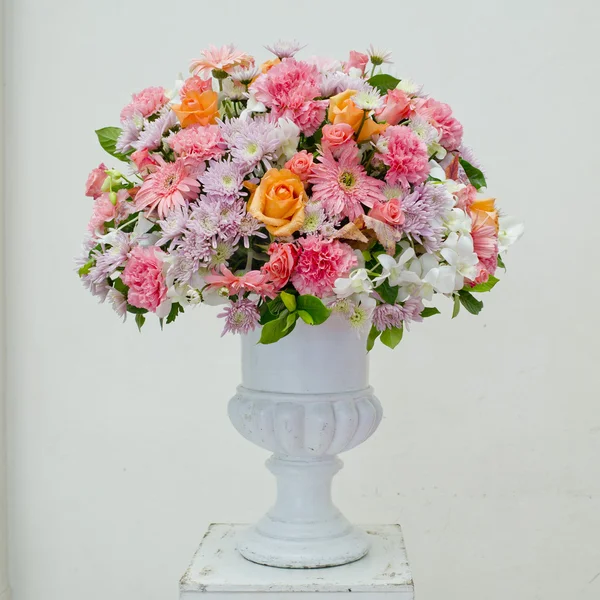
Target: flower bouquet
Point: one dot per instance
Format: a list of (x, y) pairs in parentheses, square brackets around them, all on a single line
[(291, 190)]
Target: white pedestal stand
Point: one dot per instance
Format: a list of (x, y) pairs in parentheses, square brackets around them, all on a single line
[(219, 572)]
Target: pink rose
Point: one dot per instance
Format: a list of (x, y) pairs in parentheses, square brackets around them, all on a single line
[(396, 107), (143, 161), (300, 164), (281, 264), (357, 60), (440, 116), (143, 275), (93, 185), (336, 136), (388, 212), (196, 84)]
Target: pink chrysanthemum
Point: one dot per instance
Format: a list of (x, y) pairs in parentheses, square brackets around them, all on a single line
[(343, 186), (171, 186), (203, 143), (220, 59), (240, 317), (146, 103), (320, 263), (440, 116), (289, 89), (406, 156)]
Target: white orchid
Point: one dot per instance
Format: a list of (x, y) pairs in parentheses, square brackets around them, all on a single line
[(252, 106), (510, 231), (394, 270), (357, 283), (458, 253), (433, 278), (458, 220)]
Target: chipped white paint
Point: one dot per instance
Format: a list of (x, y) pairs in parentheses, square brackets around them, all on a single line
[(306, 399), (217, 571)]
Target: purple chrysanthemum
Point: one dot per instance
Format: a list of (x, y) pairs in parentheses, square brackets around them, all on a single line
[(152, 136), (411, 311), (130, 133), (172, 226), (240, 317), (250, 227), (222, 179), (386, 316), (250, 141), (423, 211)]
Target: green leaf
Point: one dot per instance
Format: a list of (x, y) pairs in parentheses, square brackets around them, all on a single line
[(120, 286), (108, 136), (273, 331), (387, 292), (456, 308), (487, 286), (429, 312), (139, 321), (501, 263), (289, 300), (306, 317), (314, 307), (475, 176), (384, 82), (391, 337), (473, 305), (135, 310), (85, 269), (373, 335), (271, 310), (291, 320), (176, 308)]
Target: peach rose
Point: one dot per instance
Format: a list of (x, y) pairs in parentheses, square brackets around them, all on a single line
[(198, 107), (388, 212), (300, 164), (337, 135), (281, 264), (396, 108), (278, 202), (343, 110), (95, 180)]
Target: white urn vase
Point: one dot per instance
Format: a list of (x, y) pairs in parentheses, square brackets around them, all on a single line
[(305, 398)]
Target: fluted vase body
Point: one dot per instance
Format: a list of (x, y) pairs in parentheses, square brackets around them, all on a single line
[(306, 399)]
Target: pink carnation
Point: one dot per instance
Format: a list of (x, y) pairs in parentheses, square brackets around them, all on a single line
[(146, 102), (144, 277), (289, 89), (300, 164), (320, 263), (201, 142), (406, 157), (144, 162), (466, 197), (93, 185), (396, 108), (440, 116), (281, 263)]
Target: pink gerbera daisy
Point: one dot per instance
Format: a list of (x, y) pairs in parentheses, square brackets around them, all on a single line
[(225, 59), (172, 185), (343, 186)]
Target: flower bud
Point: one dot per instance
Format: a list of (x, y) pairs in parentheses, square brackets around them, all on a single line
[(113, 198)]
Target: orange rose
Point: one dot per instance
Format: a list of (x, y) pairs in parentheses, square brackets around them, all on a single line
[(198, 108), (343, 110), (266, 66), (278, 202)]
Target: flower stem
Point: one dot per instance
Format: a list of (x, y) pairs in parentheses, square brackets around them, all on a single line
[(364, 118), (249, 260)]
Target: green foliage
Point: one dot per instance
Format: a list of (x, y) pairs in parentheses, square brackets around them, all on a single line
[(387, 292), (384, 82), (373, 335), (274, 330), (487, 286), (85, 269), (456, 308), (473, 305), (392, 337), (314, 307), (140, 319), (429, 312), (475, 176), (135, 310), (269, 311), (108, 136), (289, 300), (501, 263), (176, 310), (306, 317)]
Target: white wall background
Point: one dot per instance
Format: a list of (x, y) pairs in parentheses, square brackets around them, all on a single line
[(120, 451)]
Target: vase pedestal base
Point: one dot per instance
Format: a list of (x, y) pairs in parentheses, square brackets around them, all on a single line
[(219, 572)]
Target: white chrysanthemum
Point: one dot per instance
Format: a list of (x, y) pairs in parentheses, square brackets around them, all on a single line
[(367, 100), (223, 252), (314, 217), (392, 191), (288, 134), (118, 302), (234, 90), (285, 48), (410, 87), (244, 75), (379, 56)]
